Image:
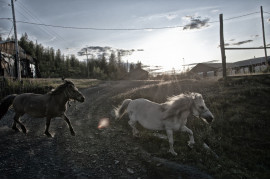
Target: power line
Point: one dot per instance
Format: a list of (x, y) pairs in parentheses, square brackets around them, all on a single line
[(4, 2), (36, 19), (10, 31), (123, 29), (240, 16), (100, 29), (26, 12)]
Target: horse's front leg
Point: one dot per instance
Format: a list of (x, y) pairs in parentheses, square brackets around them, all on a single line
[(17, 120), (48, 122), (191, 141), (135, 131), (14, 126), (69, 124), (170, 138)]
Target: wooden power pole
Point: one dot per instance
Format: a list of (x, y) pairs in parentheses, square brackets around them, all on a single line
[(17, 60), (222, 48), (264, 43), (87, 62)]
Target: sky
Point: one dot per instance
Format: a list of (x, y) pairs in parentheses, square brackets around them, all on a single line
[(162, 34)]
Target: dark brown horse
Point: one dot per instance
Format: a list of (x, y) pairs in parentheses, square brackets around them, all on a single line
[(50, 105)]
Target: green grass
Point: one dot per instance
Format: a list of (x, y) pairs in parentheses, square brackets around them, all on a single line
[(40, 86), (240, 134)]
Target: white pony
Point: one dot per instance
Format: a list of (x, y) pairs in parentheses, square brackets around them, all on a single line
[(170, 116)]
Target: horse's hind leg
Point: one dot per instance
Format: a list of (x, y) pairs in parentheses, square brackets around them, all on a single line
[(17, 120), (135, 131), (48, 122), (69, 124)]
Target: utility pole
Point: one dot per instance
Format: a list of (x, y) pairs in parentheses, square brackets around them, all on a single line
[(184, 68), (17, 60), (264, 43), (87, 62), (222, 48)]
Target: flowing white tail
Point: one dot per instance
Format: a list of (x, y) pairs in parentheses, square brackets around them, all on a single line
[(121, 110)]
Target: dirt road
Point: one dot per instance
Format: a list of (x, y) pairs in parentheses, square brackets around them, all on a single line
[(110, 152)]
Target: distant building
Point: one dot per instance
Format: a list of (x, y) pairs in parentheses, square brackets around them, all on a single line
[(29, 65), (254, 65), (138, 74), (7, 65)]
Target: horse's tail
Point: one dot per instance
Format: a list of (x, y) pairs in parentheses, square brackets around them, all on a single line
[(5, 104), (121, 110)]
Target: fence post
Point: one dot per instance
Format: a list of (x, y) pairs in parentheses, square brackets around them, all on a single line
[(222, 48), (264, 43)]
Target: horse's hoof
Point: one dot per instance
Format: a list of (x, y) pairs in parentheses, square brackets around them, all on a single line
[(16, 129), (191, 145), (48, 134), (172, 152), (72, 133), (137, 134), (24, 130)]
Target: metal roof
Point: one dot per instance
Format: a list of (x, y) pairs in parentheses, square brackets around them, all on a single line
[(204, 67)]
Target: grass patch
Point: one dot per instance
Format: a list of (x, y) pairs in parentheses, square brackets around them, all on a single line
[(39, 86)]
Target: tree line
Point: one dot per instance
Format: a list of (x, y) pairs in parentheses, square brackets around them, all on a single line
[(54, 64)]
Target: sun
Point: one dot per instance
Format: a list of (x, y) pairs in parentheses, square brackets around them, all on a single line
[(173, 48), (166, 49)]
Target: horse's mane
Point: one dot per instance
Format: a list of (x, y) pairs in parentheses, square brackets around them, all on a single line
[(61, 88), (175, 105)]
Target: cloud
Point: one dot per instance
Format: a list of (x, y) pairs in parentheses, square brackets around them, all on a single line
[(99, 51), (225, 44), (237, 43), (195, 22), (254, 36), (4, 31), (169, 16), (214, 11), (50, 40), (242, 42)]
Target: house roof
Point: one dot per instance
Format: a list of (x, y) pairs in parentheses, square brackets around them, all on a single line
[(250, 61), (138, 74), (3, 42), (22, 54), (205, 67)]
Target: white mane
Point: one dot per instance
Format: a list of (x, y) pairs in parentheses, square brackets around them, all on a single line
[(175, 105)]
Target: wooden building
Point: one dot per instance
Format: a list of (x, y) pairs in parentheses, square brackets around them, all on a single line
[(138, 74), (254, 65), (29, 65)]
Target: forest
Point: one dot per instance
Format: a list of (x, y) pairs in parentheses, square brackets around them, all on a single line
[(54, 64)]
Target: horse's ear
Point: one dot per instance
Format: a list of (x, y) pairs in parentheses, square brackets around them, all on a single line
[(193, 95), (67, 82)]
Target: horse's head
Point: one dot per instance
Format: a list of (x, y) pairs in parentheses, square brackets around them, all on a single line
[(199, 108), (72, 92)]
